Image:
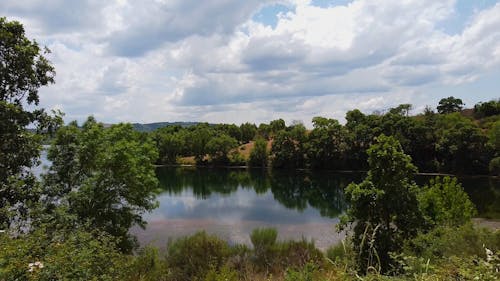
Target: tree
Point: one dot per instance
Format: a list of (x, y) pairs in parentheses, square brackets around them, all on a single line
[(277, 125), (449, 105), (288, 149), (258, 155), (218, 147), (23, 70), (460, 145), (444, 202), (104, 177), (384, 207), (248, 132), (327, 144), (485, 109)]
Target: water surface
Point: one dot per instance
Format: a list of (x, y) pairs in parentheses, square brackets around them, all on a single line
[(232, 202)]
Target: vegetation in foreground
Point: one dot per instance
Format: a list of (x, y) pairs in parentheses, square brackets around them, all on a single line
[(73, 224)]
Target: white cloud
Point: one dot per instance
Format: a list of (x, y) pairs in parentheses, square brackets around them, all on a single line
[(209, 61)]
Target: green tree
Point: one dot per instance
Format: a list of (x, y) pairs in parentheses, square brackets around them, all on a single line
[(485, 109), (449, 105), (104, 177), (444, 202), (197, 139), (383, 208), (23, 70), (288, 149), (258, 155), (218, 147), (460, 145), (277, 125), (248, 132), (327, 144), (170, 146)]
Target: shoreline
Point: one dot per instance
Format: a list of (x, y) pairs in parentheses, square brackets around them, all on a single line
[(318, 170)]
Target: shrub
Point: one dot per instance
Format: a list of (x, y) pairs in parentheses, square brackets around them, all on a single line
[(78, 255), (342, 253), (192, 257), (299, 254), (463, 241), (224, 274), (264, 244), (495, 166), (444, 202), (147, 266)]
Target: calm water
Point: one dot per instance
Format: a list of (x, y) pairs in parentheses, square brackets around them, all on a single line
[(233, 202)]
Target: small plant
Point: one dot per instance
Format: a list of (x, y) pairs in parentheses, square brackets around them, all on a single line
[(264, 244), (194, 256)]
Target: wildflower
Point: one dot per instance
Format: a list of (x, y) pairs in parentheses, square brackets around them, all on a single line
[(34, 265), (489, 254)]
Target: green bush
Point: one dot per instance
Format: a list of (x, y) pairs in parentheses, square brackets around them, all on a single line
[(341, 253), (77, 255), (298, 254), (224, 274), (307, 273), (464, 241), (444, 202), (495, 166), (264, 245), (147, 265), (192, 257)]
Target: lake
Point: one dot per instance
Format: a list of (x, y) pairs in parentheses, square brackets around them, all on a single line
[(232, 202)]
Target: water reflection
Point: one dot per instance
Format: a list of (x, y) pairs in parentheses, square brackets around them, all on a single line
[(298, 191)]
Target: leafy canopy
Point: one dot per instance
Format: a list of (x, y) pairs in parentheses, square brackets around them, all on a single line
[(104, 176), (23, 70), (384, 207)]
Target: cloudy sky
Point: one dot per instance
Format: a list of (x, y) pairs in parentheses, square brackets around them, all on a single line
[(256, 60)]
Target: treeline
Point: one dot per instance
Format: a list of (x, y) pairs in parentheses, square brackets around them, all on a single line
[(451, 140)]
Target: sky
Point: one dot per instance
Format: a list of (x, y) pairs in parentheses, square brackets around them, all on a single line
[(231, 61)]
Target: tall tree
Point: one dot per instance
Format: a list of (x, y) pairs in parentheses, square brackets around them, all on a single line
[(327, 144), (383, 208), (258, 155), (23, 70), (104, 177), (450, 105)]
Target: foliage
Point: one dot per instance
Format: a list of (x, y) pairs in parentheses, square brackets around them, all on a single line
[(307, 273), (191, 258), (248, 132), (258, 155), (495, 166), (449, 105), (79, 254), (446, 241), (147, 265), (218, 148), (224, 274), (264, 242), (327, 144), (104, 176), (460, 145), (444, 202), (485, 109), (23, 70), (384, 207), (289, 148)]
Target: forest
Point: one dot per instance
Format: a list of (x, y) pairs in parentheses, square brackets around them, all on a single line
[(450, 140), (73, 221)]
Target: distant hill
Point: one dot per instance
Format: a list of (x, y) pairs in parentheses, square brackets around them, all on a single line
[(153, 126)]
